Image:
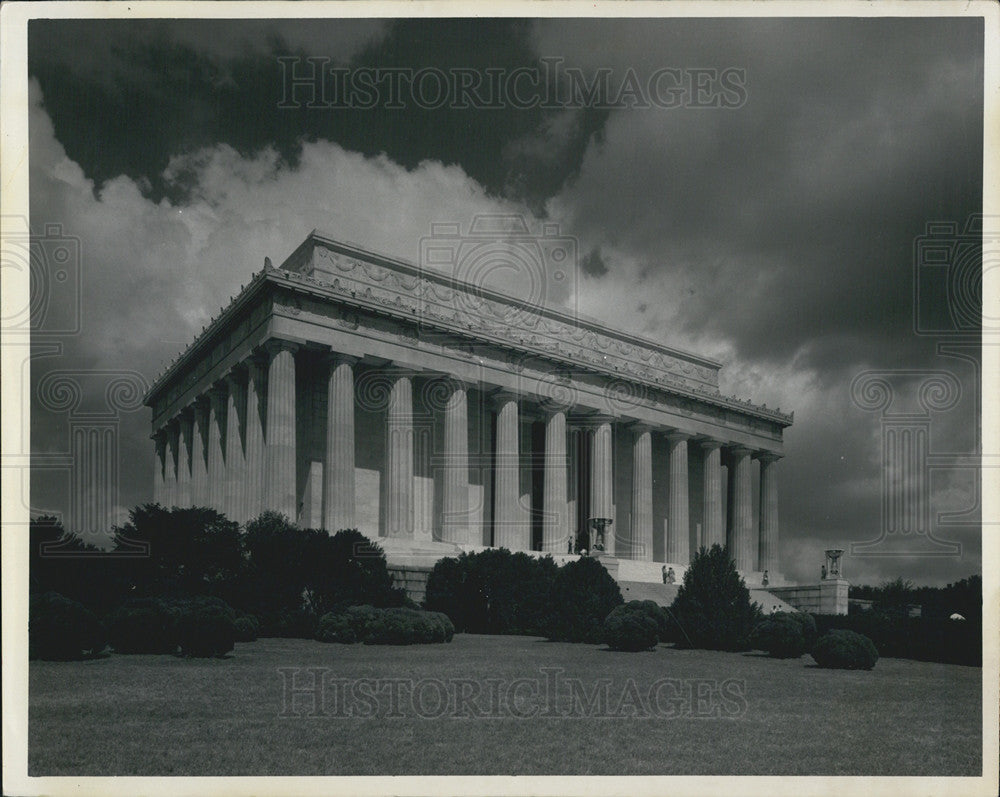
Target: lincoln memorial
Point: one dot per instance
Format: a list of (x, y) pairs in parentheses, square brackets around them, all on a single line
[(436, 414)]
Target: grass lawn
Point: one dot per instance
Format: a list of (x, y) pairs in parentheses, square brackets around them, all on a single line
[(467, 713)]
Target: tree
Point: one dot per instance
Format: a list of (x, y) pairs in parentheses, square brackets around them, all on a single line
[(191, 551), (713, 605)]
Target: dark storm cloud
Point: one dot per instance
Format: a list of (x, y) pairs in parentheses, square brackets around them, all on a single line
[(795, 213), (163, 88)]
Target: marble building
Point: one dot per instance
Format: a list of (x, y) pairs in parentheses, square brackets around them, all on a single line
[(346, 389)]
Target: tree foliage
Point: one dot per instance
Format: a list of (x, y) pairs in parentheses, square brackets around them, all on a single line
[(713, 605)]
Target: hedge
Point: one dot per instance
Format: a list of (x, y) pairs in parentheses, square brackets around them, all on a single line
[(62, 629), (922, 639), (393, 626), (143, 625)]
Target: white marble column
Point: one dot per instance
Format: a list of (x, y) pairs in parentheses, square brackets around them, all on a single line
[(184, 459), (713, 524), (642, 494), (601, 484), (455, 489), (217, 396), (555, 522), (573, 508), (509, 530), (170, 469), (678, 549), (253, 491), (199, 453), (236, 469), (279, 442), (159, 463), (399, 457), (338, 468), (739, 537), (767, 549)]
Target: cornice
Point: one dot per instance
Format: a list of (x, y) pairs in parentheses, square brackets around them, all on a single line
[(401, 308)]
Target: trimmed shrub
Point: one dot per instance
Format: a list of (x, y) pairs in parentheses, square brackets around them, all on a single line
[(445, 628), (205, 631), (336, 627), (143, 625), (845, 650), (658, 614), (807, 623), (246, 628), (393, 626), (493, 591), (713, 605), (630, 627), (780, 635), (288, 624), (583, 595), (401, 627), (61, 629)]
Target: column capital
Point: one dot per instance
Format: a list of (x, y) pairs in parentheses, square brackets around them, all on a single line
[(640, 427), (332, 357), (160, 435), (273, 346), (219, 390), (739, 450), (501, 396), (677, 436), (548, 407), (710, 444), (235, 376), (595, 419), (767, 457)]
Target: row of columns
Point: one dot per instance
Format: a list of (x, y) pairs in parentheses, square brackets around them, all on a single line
[(237, 451)]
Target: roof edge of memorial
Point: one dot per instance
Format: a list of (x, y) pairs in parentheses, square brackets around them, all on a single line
[(277, 275), (352, 249)]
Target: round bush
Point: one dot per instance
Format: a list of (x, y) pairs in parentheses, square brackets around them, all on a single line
[(246, 628), (845, 650), (205, 632), (61, 629), (658, 614), (781, 636), (336, 627), (630, 628), (143, 625)]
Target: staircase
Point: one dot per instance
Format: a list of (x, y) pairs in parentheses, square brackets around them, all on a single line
[(664, 595)]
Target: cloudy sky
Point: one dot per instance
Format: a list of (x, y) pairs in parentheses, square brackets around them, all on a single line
[(771, 225)]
